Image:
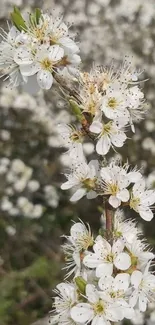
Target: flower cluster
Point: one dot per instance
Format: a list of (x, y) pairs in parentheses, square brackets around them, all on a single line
[(110, 100), (36, 49), (115, 183), (21, 190), (110, 280)]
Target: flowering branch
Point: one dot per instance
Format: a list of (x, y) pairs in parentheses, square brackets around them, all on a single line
[(111, 273)]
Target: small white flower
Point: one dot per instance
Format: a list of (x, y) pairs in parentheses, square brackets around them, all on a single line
[(73, 260), (67, 297), (142, 199), (80, 236), (97, 310), (125, 229), (109, 135), (84, 179), (114, 290), (144, 289), (43, 63), (8, 65), (105, 257), (135, 98), (73, 139), (79, 240), (115, 182), (114, 103), (139, 253)]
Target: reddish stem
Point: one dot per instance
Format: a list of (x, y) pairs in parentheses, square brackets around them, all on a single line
[(109, 220)]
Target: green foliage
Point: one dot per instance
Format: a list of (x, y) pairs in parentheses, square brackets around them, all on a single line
[(18, 20), (76, 109), (81, 284)]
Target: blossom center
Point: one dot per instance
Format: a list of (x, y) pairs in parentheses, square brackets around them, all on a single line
[(106, 128), (99, 307), (75, 137), (112, 103), (134, 202), (89, 183), (85, 241), (46, 64), (109, 258), (113, 188)]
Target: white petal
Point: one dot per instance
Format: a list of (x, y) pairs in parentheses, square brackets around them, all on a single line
[(106, 175), (92, 293), (123, 195), (139, 187), (113, 313), (56, 53), (93, 168), (100, 320), (45, 79), (69, 184), (134, 177), (103, 145), (104, 269), (136, 278), (142, 302), (82, 313), (148, 197), (69, 44), (78, 194), (118, 139), (23, 55), (67, 291), (102, 247), (96, 127), (92, 260), (128, 311), (91, 195), (121, 281), (145, 213), (118, 247), (106, 283), (28, 69), (122, 261), (78, 229), (114, 201), (133, 298)]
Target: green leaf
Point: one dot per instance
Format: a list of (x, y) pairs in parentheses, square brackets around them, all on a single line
[(37, 14), (76, 109), (18, 20), (17, 11), (81, 284)]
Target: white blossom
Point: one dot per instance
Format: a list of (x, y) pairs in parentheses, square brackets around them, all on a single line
[(109, 135), (126, 229), (115, 291), (97, 310), (43, 64), (83, 178), (72, 139), (141, 200), (115, 182), (66, 298), (105, 257), (144, 289)]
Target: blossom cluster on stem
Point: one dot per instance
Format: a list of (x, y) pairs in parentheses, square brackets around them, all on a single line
[(110, 282)]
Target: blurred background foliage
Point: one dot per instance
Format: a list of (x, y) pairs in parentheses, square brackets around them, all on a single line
[(34, 211)]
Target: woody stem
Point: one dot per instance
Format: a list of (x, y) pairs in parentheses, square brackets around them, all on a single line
[(109, 213)]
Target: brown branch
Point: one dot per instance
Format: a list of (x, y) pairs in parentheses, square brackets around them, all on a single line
[(109, 212)]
